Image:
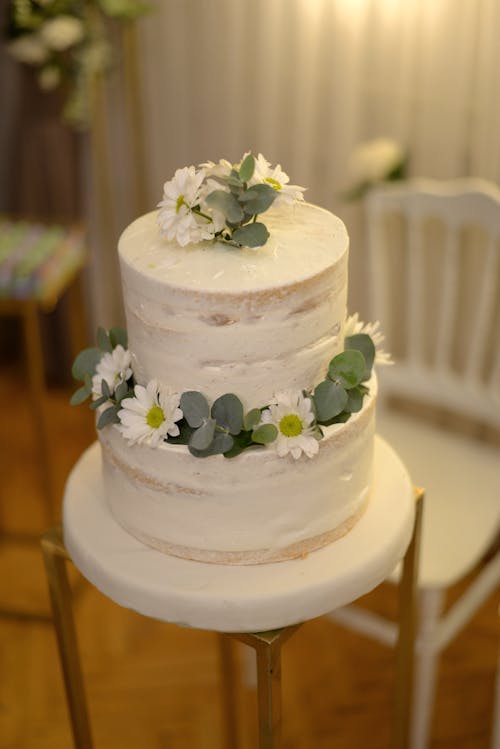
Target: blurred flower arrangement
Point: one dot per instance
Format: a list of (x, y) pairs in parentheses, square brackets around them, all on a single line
[(66, 42), (374, 161)]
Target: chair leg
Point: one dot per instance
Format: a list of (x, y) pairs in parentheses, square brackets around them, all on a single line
[(431, 606), (495, 739), (34, 356), (55, 556)]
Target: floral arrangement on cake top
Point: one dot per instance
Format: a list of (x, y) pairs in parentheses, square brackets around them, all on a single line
[(66, 41), (291, 424), (222, 201), (374, 161)]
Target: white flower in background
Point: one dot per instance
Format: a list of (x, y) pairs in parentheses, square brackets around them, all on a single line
[(49, 78), (355, 326), (278, 179), (113, 367), (29, 48), (61, 32), (150, 415), (293, 417), (95, 56), (375, 160), (176, 218)]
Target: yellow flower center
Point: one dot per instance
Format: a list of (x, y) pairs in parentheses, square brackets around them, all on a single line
[(155, 417), (180, 203), (274, 183), (291, 425)]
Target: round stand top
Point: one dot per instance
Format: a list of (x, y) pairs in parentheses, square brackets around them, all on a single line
[(229, 598)]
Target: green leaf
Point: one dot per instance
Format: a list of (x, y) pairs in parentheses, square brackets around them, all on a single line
[(341, 418), (86, 363), (226, 203), (202, 437), (109, 416), (252, 418), (105, 389), (99, 402), (347, 368), (195, 408), (80, 395), (251, 235), (121, 391), (221, 443), (103, 341), (355, 401), (330, 398), (228, 413), (241, 442), (185, 432), (258, 198), (265, 434), (118, 337), (362, 342), (247, 168)]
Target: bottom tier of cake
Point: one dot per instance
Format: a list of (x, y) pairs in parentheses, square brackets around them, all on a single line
[(256, 508)]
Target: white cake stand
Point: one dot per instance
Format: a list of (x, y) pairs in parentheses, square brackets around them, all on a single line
[(224, 598)]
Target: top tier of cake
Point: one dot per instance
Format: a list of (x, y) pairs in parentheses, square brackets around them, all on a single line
[(218, 319)]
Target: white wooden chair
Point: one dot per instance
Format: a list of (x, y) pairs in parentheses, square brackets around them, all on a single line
[(435, 287)]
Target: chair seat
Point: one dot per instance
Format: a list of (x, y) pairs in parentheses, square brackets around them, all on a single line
[(462, 482), (38, 261)]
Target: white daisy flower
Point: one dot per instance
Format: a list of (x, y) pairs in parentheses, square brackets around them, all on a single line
[(355, 326), (278, 179), (293, 416), (176, 218), (113, 367), (150, 416), (222, 169)]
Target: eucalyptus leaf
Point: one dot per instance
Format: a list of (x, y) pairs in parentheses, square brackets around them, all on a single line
[(241, 442), (252, 418), (195, 408), (86, 363), (121, 391), (341, 418), (247, 168), (105, 389), (355, 401), (80, 395), (221, 443), (103, 341), (347, 368), (265, 434), (118, 337), (330, 398), (185, 432), (109, 416), (251, 235), (362, 342), (258, 198), (226, 203), (99, 402), (202, 437), (228, 413)]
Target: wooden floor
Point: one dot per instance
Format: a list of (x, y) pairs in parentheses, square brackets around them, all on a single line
[(155, 686)]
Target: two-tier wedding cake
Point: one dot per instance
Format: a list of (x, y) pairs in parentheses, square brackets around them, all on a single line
[(237, 420)]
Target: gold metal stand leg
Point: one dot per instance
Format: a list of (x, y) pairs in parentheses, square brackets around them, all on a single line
[(405, 653), (229, 695), (55, 557), (36, 381), (268, 649)]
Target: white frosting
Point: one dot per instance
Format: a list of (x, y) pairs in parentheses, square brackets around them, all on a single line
[(217, 319), (257, 502)]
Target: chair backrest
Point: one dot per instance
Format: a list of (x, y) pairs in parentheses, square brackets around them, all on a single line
[(434, 257)]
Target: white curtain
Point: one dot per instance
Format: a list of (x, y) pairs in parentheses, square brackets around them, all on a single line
[(303, 81)]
